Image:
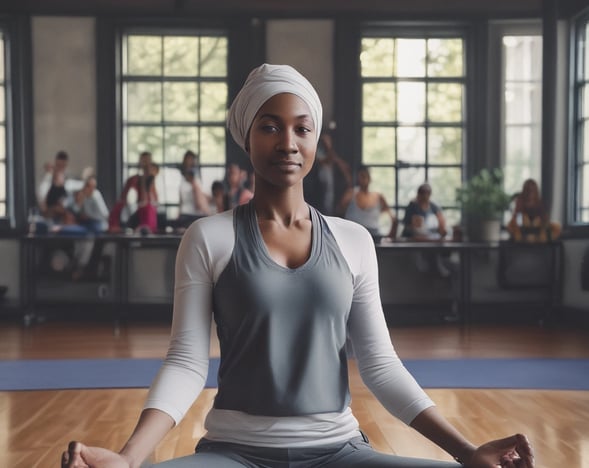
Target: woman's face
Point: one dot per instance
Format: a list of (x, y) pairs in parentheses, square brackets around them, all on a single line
[(282, 141)]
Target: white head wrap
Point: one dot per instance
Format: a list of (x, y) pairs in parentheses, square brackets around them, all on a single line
[(262, 83)]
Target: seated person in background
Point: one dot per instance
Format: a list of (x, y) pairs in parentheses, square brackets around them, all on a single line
[(364, 207), (530, 221), (145, 216), (235, 190), (330, 178), (423, 219), (89, 208), (194, 203)]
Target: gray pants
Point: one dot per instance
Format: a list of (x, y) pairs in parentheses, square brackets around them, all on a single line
[(355, 453)]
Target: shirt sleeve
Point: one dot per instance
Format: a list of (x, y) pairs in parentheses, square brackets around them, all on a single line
[(380, 367), (202, 254)]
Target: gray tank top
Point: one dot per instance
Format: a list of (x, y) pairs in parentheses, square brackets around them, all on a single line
[(367, 217), (282, 331)]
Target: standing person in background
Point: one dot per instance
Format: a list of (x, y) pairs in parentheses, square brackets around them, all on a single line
[(364, 207), (329, 179), (287, 286), (194, 203), (145, 215), (424, 219)]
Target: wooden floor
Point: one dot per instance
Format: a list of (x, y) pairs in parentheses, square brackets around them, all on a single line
[(36, 426)]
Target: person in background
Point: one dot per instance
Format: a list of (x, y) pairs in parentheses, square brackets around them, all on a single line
[(219, 201), (423, 219), (286, 287), (235, 190), (89, 208), (194, 203), (365, 207), (145, 215), (55, 191), (530, 220), (329, 180)]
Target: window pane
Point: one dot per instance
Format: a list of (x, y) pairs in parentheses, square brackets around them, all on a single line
[(209, 175), (410, 57), (376, 58), (180, 102), (180, 56), (144, 55), (522, 101), (378, 145), (411, 144), (584, 185), (2, 182), (521, 162), (212, 149), (445, 57), (2, 143), (409, 180), (522, 109), (213, 60), (213, 100), (2, 104), (584, 101), (141, 139), (378, 102), (178, 140), (444, 182), (586, 48), (382, 179), (411, 102), (584, 141), (445, 145), (144, 102), (445, 102), (168, 184), (2, 58)]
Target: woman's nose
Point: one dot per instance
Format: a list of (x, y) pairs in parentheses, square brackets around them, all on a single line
[(287, 142)]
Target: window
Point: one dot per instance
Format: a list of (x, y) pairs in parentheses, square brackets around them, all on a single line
[(581, 125), (174, 98), (3, 132), (413, 115), (521, 121)]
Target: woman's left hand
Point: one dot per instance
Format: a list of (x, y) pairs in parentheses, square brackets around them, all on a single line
[(512, 452)]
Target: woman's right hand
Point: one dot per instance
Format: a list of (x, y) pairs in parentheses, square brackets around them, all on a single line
[(79, 455)]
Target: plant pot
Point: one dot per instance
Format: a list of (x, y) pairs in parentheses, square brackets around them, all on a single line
[(484, 230)]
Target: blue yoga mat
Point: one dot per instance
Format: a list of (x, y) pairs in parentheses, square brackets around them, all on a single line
[(555, 374), (61, 374)]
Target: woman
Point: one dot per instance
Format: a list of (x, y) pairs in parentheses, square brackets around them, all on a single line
[(530, 221), (145, 216), (366, 207), (423, 219), (283, 397), (194, 203)]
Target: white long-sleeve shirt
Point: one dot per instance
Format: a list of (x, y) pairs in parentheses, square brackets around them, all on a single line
[(204, 253)]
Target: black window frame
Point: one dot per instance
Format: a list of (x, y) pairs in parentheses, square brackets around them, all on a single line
[(575, 227), (246, 49), (20, 186)]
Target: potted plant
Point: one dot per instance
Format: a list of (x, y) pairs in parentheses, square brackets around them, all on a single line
[(483, 201)]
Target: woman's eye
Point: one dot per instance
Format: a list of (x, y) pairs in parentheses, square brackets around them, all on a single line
[(270, 128)]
